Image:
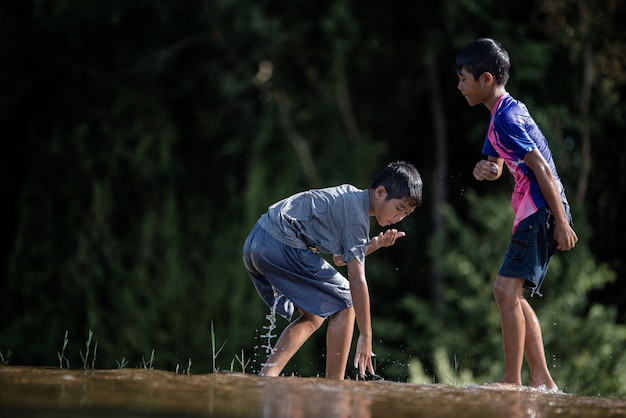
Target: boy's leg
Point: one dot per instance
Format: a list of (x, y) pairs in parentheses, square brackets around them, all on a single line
[(338, 342), (508, 294), (290, 341), (535, 354)]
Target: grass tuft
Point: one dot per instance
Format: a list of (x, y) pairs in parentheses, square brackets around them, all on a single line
[(61, 355), (4, 359), (85, 357), (91, 348), (150, 363), (215, 353), (243, 363), (122, 363)]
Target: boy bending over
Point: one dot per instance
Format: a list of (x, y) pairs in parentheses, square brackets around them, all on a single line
[(281, 255)]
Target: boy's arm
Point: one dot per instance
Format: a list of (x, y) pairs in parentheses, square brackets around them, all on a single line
[(361, 303), (386, 239), (564, 235)]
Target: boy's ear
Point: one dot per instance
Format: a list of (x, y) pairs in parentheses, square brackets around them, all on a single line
[(380, 192), (487, 79)]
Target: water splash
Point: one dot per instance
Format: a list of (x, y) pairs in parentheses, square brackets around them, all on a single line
[(271, 317)]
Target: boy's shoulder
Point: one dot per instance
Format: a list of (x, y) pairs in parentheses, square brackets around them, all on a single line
[(316, 199), (344, 196), (509, 107), (341, 190), (511, 114)]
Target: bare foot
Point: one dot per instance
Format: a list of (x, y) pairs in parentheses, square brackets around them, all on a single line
[(548, 384), (500, 386)]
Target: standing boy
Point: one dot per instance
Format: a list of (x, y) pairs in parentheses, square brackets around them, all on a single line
[(281, 255), (542, 222)]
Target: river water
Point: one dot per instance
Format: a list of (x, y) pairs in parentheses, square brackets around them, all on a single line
[(52, 392)]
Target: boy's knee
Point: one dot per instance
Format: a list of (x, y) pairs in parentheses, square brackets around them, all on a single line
[(344, 313), (345, 316), (315, 321), (507, 289)]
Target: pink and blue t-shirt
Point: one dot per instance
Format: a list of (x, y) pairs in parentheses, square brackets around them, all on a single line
[(512, 134)]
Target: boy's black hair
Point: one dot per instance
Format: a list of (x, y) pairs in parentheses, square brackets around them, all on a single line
[(401, 180), (485, 55)]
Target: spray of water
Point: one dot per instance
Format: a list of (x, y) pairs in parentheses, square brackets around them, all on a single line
[(271, 317)]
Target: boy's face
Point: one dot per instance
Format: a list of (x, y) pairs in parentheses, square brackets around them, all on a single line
[(474, 91), (389, 212)]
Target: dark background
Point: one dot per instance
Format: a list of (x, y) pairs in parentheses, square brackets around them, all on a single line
[(141, 140)]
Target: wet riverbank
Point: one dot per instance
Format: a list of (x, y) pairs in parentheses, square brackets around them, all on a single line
[(39, 392)]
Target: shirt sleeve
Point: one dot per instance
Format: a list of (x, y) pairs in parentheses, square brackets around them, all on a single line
[(358, 252), (512, 134), (355, 236), (488, 149)]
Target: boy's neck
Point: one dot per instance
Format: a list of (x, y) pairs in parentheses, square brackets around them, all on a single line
[(497, 94)]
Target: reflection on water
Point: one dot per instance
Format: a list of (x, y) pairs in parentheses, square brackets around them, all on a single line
[(31, 392)]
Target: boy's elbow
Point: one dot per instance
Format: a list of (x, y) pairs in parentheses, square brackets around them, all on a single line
[(338, 260)]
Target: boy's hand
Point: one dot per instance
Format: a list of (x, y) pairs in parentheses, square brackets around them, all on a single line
[(363, 356), (564, 236), (485, 170), (386, 239)]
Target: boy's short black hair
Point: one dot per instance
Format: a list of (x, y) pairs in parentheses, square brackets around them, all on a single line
[(401, 180), (485, 55)]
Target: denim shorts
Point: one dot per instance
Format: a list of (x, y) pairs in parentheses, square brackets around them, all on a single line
[(290, 278), (531, 247)]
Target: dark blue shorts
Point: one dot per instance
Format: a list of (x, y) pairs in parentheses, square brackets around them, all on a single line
[(290, 278), (531, 247)]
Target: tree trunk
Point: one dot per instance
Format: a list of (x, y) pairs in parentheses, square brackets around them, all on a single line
[(440, 192), (585, 162)]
